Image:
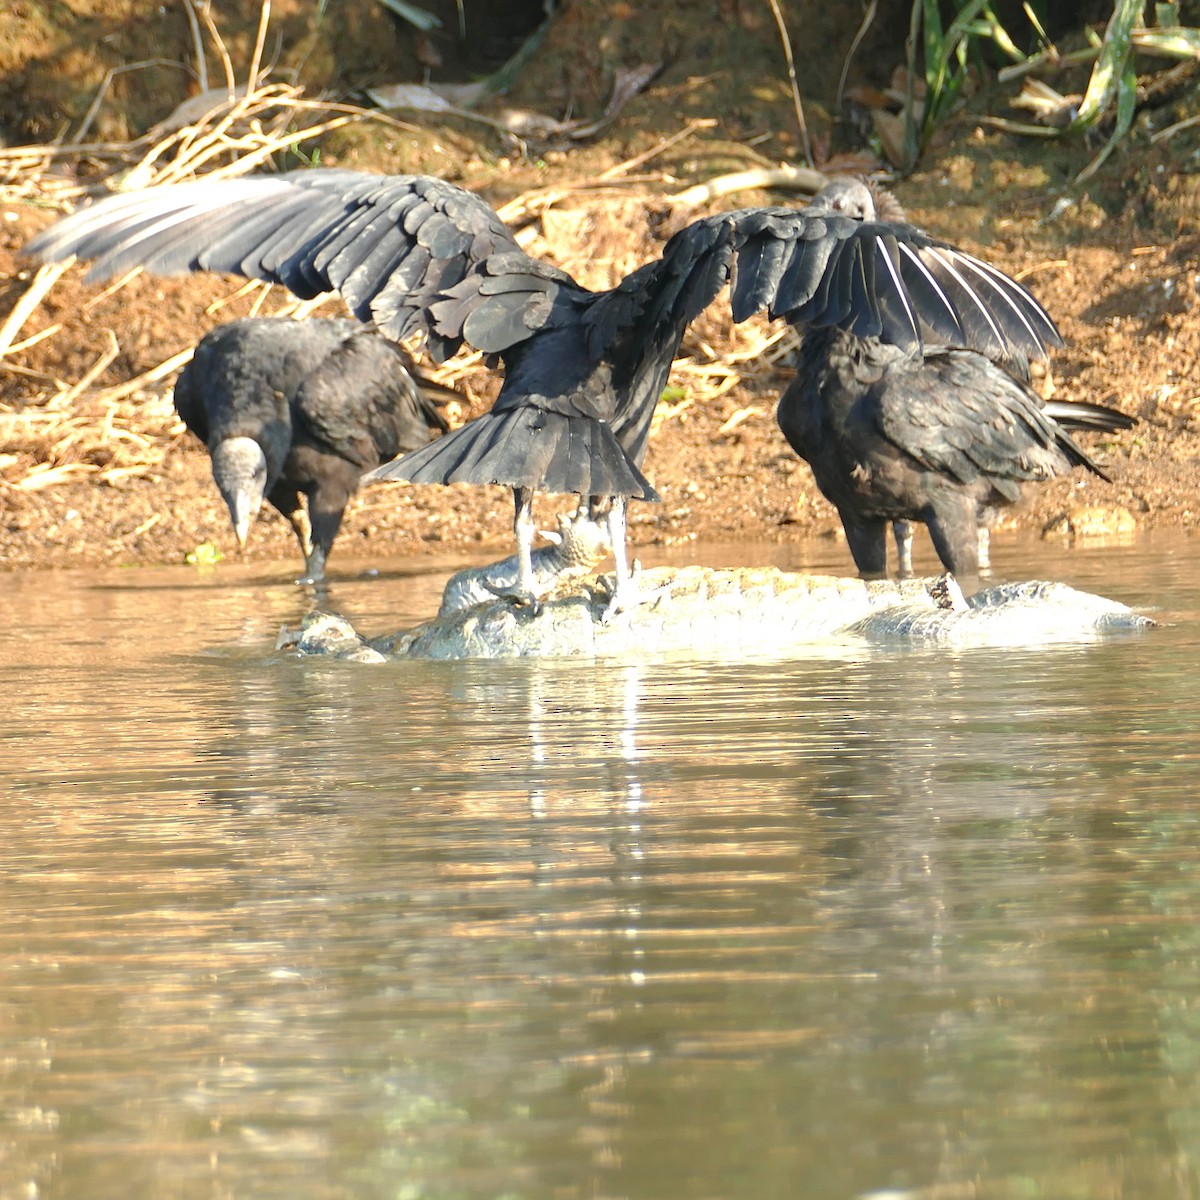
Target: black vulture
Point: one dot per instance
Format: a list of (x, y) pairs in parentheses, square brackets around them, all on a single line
[(938, 434), (292, 409), (583, 370)]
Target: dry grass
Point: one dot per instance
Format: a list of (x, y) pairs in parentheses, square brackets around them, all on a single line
[(65, 430), (111, 434)]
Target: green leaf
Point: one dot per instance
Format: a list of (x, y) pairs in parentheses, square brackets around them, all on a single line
[(935, 59), (1126, 107), (1175, 41), (1110, 66), (1035, 21), (204, 555), (1004, 43), (944, 81)]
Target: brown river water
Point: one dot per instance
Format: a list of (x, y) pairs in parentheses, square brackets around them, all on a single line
[(888, 923)]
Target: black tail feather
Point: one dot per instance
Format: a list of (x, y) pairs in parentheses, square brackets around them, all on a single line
[(527, 447), (1080, 414)]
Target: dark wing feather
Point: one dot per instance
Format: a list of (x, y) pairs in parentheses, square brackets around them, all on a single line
[(958, 414), (800, 275), (1079, 414), (872, 278), (661, 297), (189, 401), (423, 237), (864, 303), (759, 265), (389, 244)]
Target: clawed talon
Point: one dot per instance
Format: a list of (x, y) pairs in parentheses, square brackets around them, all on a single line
[(947, 594), (622, 599), (618, 604), (624, 594), (515, 596)]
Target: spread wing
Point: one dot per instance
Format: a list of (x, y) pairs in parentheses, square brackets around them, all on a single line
[(872, 279), (389, 245), (414, 254)]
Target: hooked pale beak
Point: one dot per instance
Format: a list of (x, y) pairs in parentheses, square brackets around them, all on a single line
[(240, 470)]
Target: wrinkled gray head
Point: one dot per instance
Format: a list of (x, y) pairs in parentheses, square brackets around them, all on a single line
[(240, 469), (846, 197), (861, 200)]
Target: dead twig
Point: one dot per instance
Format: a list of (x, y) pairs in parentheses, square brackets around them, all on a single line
[(738, 416), (638, 160), (1053, 264), (260, 39), (43, 280), (864, 26), (805, 141), (141, 382), (804, 179), (197, 43), (66, 398), (219, 42), (1178, 127), (28, 343), (106, 83)]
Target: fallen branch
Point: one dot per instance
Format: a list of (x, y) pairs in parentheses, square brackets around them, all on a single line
[(803, 179)]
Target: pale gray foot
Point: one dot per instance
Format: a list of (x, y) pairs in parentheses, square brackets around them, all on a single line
[(902, 532), (985, 547), (624, 593), (524, 591), (580, 541)]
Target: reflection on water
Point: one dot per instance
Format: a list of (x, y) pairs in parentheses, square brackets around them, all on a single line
[(922, 923)]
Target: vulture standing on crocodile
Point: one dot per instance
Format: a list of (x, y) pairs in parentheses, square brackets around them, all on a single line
[(292, 409), (583, 370), (930, 433)]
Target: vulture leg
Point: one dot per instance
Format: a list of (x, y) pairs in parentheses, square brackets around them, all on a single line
[(523, 528), (287, 501), (625, 592), (902, 531), (985, 550), (867, 538), (326, 507), (952, 526), (314, 567), (314, 560), (524, 591)]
